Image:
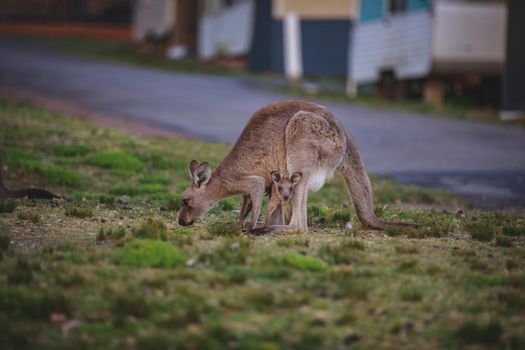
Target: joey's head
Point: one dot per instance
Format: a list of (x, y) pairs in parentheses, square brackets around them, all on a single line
[(198, 198), (284, 186)]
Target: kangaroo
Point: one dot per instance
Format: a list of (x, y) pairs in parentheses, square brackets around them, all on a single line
[(297, 136), (282, 191)]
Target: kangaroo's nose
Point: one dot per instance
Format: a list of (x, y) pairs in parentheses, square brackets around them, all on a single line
[(182, 222)]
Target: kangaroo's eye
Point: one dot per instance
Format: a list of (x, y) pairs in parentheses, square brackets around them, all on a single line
[(280, 188), (185, 202), (290, 189)]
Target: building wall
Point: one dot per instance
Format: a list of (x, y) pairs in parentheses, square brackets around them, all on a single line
[(402, 44), (469, 37), (324, 46), (277, 61), (227, 31), (370, 10), (514, 80), (315, 9), (153, 17)]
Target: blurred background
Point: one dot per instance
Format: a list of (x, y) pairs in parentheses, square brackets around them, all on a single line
[(382, 66)]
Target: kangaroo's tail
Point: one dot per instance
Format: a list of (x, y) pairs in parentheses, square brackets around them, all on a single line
[(360, 188)]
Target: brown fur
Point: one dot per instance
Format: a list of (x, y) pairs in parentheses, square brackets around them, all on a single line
[(295, 136), (281, 192)]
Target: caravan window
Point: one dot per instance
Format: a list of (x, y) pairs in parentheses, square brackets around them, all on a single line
[(397, 6)]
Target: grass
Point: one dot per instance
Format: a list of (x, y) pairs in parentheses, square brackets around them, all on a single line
[(80, 212), (150, 253), (103, 270), (7, 205), (115, 160)]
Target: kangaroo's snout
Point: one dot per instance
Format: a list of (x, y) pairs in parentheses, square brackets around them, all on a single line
[(183, 222)]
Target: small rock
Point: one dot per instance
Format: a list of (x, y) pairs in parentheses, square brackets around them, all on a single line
[(460, 213), (349, 225), (190, 263), (235, 245)]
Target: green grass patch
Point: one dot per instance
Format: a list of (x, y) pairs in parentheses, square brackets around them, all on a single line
[(7, 205), (150, 253), (70, 150), (515, 231), (480, 231), (154, 179), (303, 262), (218, 228), (475, 333), (31, 216), (151, 229), (117, 160), (111, 233), (210, 286), (77, 211)]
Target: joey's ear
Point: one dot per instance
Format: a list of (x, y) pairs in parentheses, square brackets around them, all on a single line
[(193, 165), (296, 177), (276, 176), (201, 175)]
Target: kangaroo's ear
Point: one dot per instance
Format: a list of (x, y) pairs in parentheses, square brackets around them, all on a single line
[(276, 176), (193, 165), (201, 175), (296, 177)]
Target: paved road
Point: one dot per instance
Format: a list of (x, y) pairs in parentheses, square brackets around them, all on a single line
[(483, 161)]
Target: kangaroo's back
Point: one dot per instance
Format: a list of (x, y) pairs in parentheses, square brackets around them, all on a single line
[(261, 145)]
